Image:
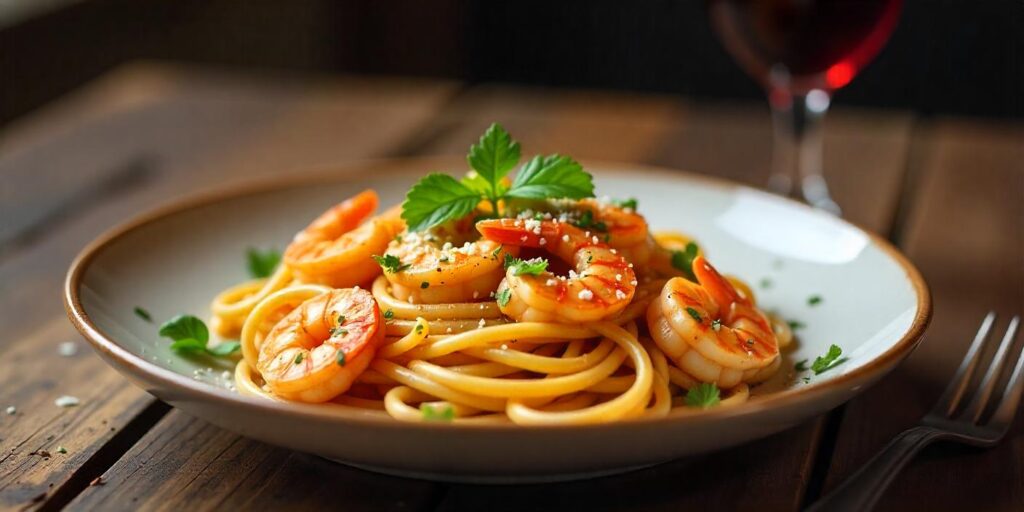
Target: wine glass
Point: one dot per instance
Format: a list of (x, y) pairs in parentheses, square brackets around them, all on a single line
[(801, 51)]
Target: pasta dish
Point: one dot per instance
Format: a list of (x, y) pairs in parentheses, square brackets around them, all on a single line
[(499, 297)]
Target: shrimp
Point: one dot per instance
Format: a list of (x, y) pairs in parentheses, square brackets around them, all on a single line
[(444, 265), (601, 284), (621, 227), (711, 331), (336, 248), (318, 350)]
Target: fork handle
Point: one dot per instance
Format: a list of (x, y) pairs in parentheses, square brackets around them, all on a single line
[(861, 491)]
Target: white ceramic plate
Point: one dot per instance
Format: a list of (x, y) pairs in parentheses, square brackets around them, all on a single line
[(874, 305)]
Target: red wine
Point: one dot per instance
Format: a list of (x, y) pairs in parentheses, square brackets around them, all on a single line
[(799, 45)]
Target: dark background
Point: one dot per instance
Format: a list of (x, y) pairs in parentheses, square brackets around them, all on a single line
[(961, 57)]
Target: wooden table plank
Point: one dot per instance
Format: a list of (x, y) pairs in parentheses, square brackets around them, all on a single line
[(584, 124), (188, 130), (865, 153), (966, 234), (199, 126), (731, 141), (32, 469), (186, 462)]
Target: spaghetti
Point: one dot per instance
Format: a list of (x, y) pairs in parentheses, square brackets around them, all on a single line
[(522, 307)]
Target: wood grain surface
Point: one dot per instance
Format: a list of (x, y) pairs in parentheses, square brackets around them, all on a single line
[(966, 234)]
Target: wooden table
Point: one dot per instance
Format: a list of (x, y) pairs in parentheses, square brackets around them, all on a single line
[(950, 192)]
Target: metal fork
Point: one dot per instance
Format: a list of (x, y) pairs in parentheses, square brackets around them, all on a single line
[(862, 490)]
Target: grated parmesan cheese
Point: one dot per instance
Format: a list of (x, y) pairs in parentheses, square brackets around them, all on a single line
[(66, 401)]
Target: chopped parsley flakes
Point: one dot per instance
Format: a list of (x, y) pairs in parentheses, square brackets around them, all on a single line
[(503, 297), (828, 361), (694, 314), (434, 413), (262, 263), (533, 267), (390, 263), (143, 314), (823, 363), (703, 395), (683, 260)]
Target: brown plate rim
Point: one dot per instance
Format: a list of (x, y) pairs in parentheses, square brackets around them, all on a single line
[(348, 173)]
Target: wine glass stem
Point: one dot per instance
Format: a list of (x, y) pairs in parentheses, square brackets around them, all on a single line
[(797, 158)]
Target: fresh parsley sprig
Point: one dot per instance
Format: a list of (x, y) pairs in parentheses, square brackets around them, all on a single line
[(190, 336), (438, 198), (491, 159)]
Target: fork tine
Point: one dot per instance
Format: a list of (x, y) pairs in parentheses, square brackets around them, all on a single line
[(955, 390), (988, 382), (1007, 409)]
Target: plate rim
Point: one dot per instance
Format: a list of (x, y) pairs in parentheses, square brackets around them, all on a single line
[(129, 362)]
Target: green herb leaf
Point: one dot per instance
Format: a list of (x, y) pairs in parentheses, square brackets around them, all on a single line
[(339, 331), (627, 203), (503, 297), (533, 267), (494, 253), (435, 199), (554, 177), (683, 260), (694, 314), (143, 314), (390, 263), (184, 327), (190, 335), (492, 157), (473, 181), (188, 345), (388, 315), (828, 361), (800, 366), (299, 357), (814, 300), (262, 263), (431, 413), (703, 395), (766, 283), (796, 324), (340, 357), (224, 349)]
